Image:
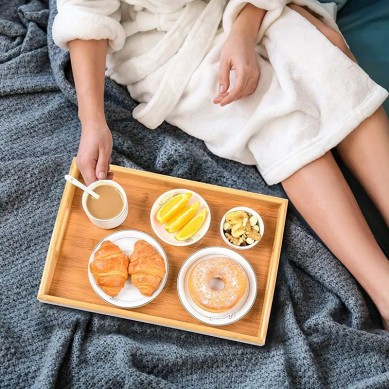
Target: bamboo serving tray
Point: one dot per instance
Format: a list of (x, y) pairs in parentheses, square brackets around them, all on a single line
[(65, 276)]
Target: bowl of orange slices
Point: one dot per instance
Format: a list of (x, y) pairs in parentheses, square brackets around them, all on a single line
[(180, 217)]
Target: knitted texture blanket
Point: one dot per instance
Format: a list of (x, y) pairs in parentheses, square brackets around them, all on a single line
[(323, 331)]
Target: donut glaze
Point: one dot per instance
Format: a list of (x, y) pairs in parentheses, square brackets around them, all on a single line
[(201, 288)]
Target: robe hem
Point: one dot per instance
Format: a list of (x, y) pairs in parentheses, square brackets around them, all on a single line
[(292, 163)]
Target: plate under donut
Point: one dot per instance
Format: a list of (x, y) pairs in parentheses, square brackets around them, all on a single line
[(212, 318)]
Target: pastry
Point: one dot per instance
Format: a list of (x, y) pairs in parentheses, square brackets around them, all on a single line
[(147, 268), (217, 284), (110, 268)]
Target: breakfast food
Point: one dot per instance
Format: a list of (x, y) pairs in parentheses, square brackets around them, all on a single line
[(147, 267), (108, 205), (110, 268), (217, 284), (173, 207), (192, 226), (241, 228), (182, 217)]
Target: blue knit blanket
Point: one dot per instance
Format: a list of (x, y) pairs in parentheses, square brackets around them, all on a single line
[(323, 332)]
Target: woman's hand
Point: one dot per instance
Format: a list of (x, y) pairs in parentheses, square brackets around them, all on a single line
[(95, 148), (238, 54), (94, 152)]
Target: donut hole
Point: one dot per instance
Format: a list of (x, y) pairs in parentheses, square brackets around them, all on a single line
[(216, 283)]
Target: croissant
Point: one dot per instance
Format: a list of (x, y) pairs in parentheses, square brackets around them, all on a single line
[(110, 268), (146, 268)]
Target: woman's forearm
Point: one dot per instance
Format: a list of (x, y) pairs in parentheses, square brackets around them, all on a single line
[(88, 65), (249, 21)]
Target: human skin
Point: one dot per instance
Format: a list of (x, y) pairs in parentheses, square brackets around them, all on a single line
[(238, 54), (335, 215), (95, 147), (88, 65)]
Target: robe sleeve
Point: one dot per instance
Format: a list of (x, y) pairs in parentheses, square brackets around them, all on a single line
[(87, 20), (274, 9)]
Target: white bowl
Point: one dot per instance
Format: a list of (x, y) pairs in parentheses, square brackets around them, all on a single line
[(129, 296), (212, 318), (107, 223), (159, 228), (251, 212)]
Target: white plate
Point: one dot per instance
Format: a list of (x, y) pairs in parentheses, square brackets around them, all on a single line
[(129, 296), (159, 228), (223, 318)]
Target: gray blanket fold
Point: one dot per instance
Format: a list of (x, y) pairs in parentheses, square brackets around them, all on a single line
[(323, 332)]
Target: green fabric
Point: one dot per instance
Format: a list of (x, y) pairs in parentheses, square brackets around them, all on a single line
[(365, 26), (339, 3)]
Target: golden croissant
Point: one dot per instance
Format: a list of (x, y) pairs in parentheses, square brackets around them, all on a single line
[(146, 268), (110, 268)]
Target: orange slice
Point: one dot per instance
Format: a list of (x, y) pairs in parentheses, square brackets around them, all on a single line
[(192, 227), (183, 217), (172, 207)]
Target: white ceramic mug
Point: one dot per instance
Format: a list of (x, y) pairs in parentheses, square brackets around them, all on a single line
[(107, 223)]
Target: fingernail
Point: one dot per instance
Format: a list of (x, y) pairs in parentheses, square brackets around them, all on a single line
[(221, 89), (101, 175)]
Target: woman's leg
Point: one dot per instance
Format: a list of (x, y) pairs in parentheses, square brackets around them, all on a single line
[(335, 215), (366, 153), (336, 218), (366, 150)]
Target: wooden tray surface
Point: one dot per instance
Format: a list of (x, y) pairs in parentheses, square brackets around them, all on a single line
[(65, 277)]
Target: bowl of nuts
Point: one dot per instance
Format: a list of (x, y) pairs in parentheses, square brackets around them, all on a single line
[(241, 228)]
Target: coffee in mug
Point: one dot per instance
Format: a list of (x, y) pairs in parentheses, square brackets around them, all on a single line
[(110, 209), (108, 205)]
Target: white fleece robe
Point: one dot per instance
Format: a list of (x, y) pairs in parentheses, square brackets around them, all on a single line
[(310, 95)]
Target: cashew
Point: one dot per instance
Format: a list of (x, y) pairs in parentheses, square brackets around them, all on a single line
[(253, 220)]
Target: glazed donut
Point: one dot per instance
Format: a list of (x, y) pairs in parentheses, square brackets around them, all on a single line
[(204, 279)]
